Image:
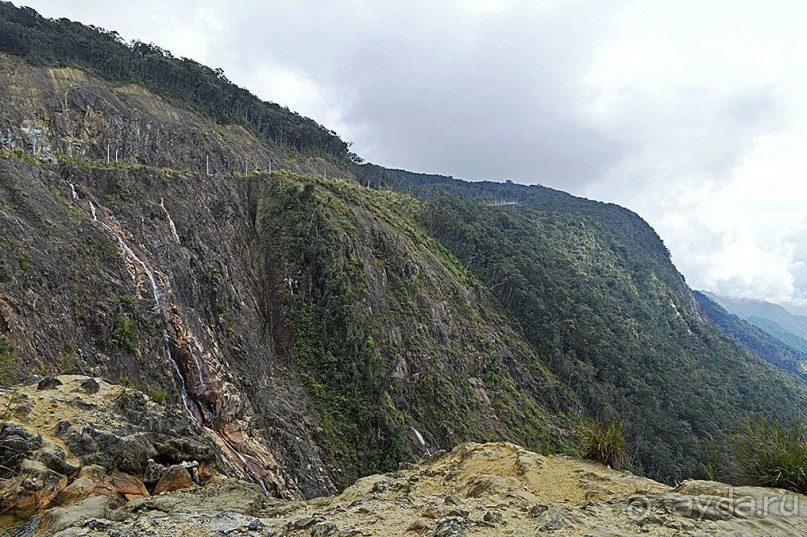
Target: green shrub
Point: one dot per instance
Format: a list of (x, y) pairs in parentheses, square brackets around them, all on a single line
[(128, 302), (158, 395), (123, 335), (604, 443), (66, 366), (770, 454)]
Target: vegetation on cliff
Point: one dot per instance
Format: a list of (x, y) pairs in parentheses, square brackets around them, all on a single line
[(593, 290), (61, 42), (346, 323), (363, 290), (754, 338)]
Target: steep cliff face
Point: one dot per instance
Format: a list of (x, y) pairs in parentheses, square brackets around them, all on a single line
[(594, 291), (105, 262), (308, 325), (392, 335), (316, 320)]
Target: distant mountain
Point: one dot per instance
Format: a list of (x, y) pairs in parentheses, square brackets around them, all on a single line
[(787, 327), (749, 308), (757, 340), (788, 338)]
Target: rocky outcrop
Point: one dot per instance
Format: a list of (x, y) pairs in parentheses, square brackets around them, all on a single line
[(65, 444), (85, 457), (477, 489), (175, 477)]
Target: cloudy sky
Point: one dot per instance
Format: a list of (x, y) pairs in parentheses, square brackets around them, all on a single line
[(691, 113)]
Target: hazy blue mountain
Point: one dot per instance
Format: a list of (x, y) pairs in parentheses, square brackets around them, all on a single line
[(776, 320), (761, 342)]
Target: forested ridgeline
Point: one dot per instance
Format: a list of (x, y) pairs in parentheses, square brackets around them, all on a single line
[(64, 43)]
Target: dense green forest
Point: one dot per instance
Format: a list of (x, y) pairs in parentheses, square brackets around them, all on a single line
[(42, 41), (753, 338), (343, 371), (782, 334), (591, 286)]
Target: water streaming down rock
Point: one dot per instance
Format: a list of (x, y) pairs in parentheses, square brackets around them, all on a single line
[(419, 437), (183, 390), (246, 465), (171, 224), (201, 413)]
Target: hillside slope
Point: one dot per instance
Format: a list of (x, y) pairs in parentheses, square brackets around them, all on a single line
[(321, 329), (593, 289), (753, 338), (312, 323)]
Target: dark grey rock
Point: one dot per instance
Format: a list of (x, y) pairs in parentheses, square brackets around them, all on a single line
[(154, 471), (90, 386), (494, 517), (303, 523), (16, 444), (54, 458), (450, 527), (135, 452), (48, 383), (97, 524), (323, 529)]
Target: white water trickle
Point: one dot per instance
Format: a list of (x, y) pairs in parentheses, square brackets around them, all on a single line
[(183, 391), (186, 401), (249, 473), (171, 224), (419, 437), (198, 365)]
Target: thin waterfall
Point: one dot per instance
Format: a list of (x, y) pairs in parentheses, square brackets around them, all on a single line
[(249, 473), (171, 224), (155, 290), (205, 416), (183, 391), (198, 365), (419, 437)]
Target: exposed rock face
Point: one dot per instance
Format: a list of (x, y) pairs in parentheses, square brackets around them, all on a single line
[(176, 477), (112, 462), (149, 270), (66, 445), (135, 283), (477, 489)]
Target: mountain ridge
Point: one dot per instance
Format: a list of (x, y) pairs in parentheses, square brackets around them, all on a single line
[(327, 327), (775, 319), (755, 339)]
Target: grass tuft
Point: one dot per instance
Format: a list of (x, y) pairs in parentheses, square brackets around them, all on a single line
[(604, 443), (770, 454)]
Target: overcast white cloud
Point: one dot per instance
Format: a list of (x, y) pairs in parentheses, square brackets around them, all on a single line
[(693, 114)]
